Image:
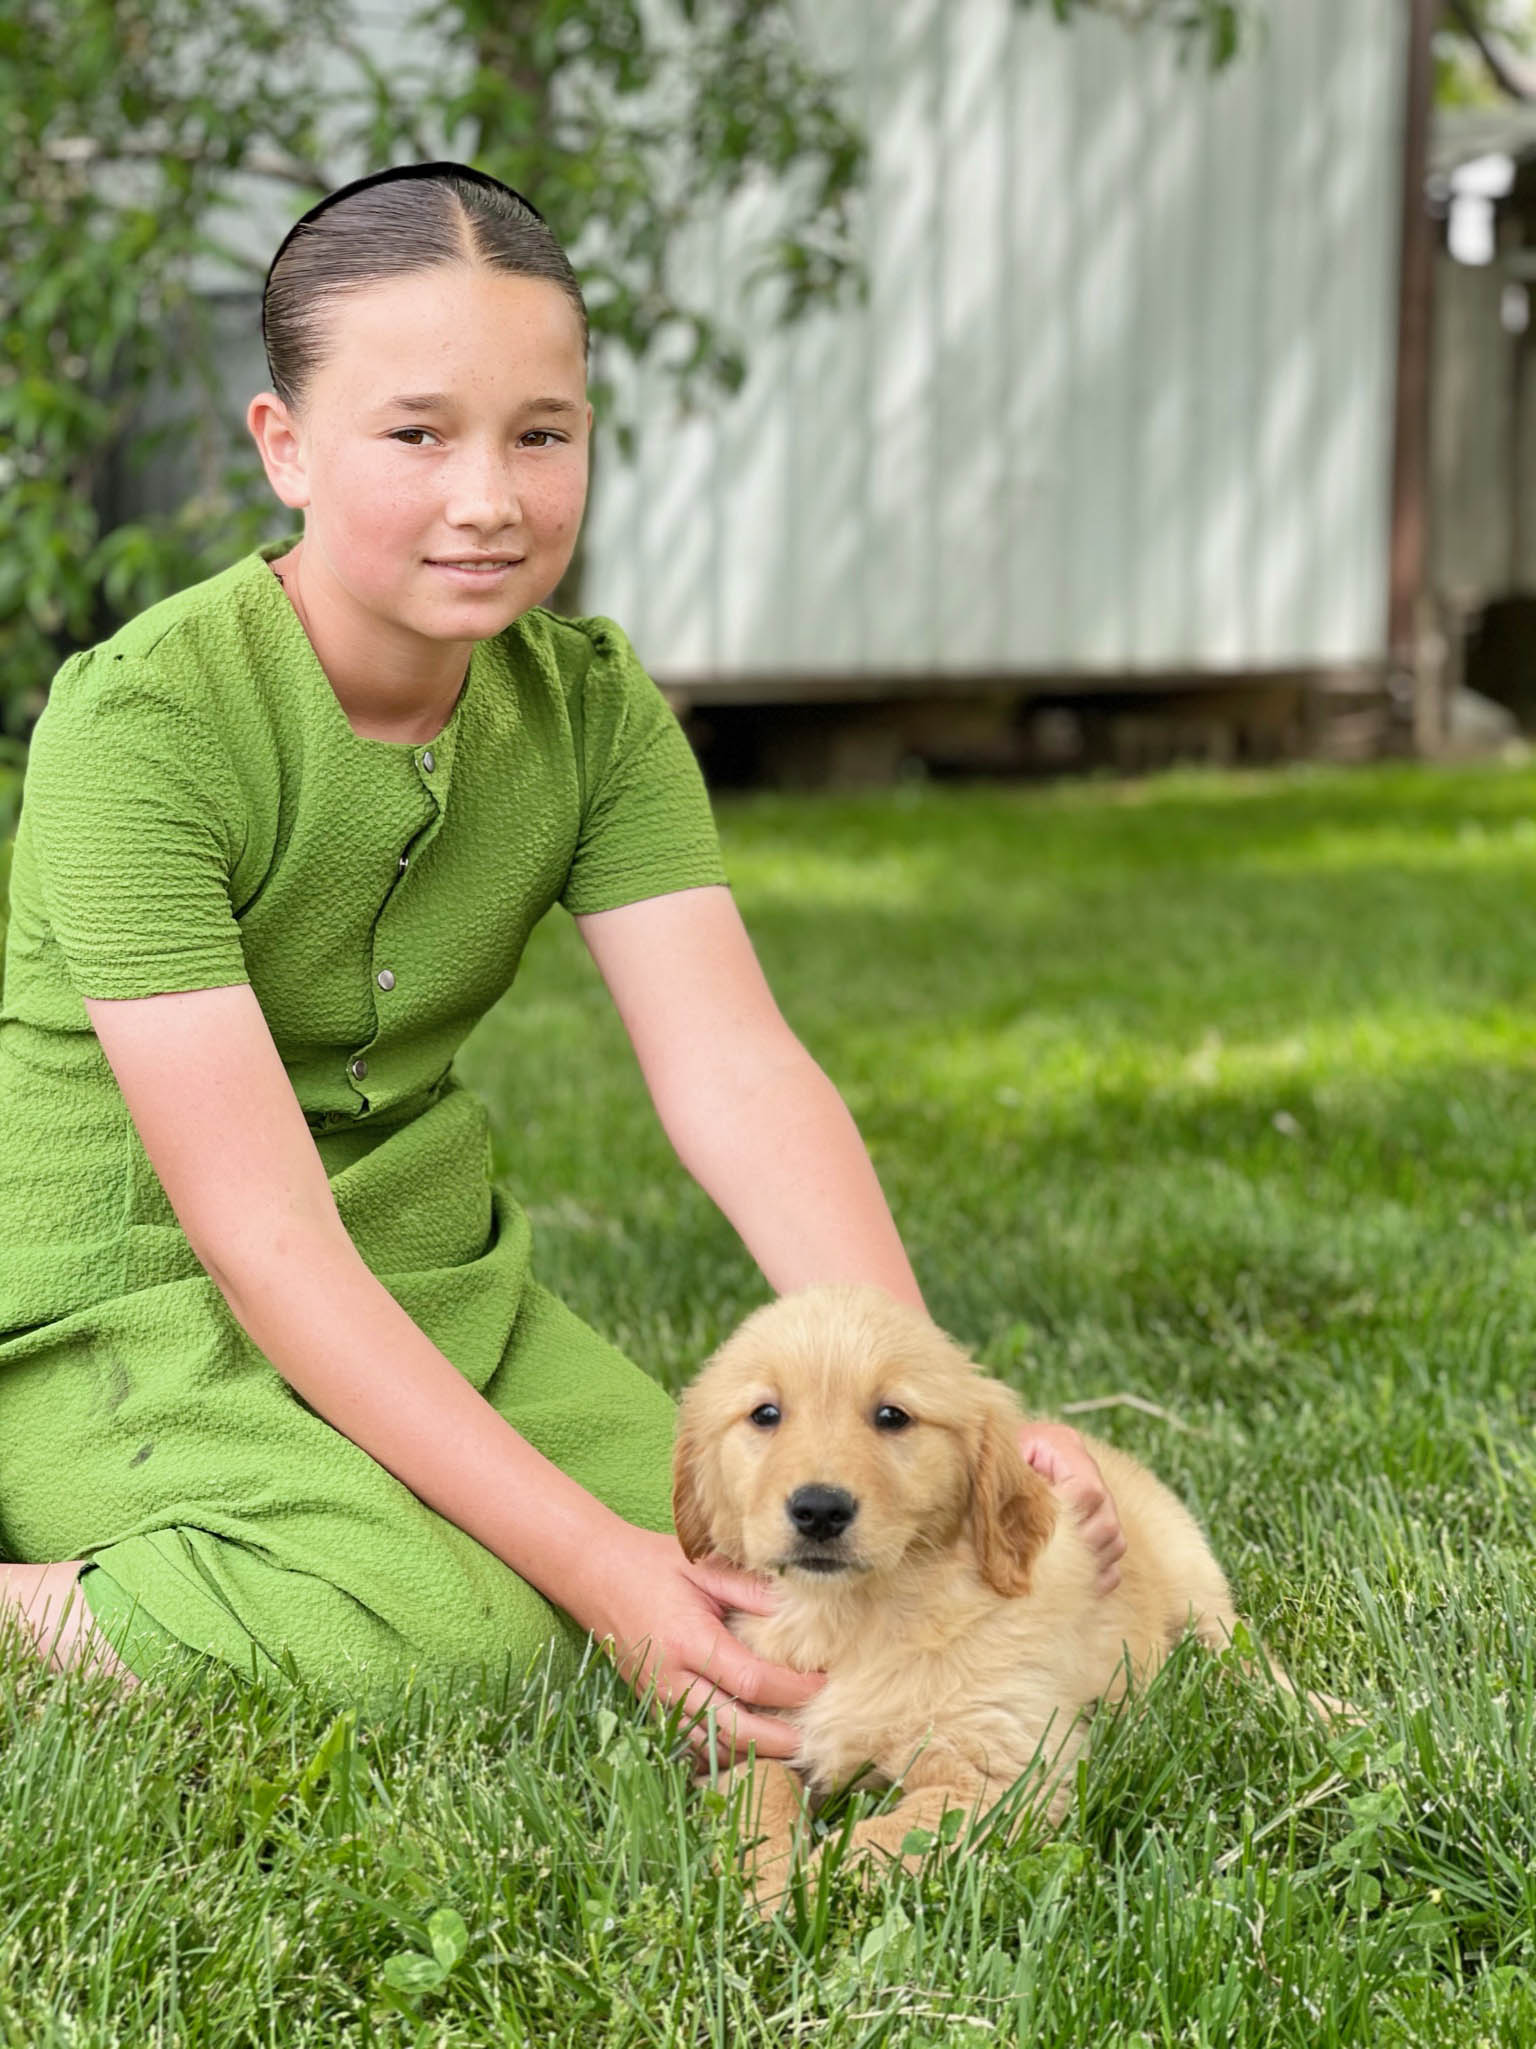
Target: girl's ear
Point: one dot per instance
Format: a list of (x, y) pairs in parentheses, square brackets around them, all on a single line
[(689, 1517), (275, 433), (1013, 1510)]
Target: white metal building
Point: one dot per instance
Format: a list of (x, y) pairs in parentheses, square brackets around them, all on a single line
[(1120, 399)]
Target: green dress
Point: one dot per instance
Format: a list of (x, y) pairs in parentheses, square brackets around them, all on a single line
[(199, 812)]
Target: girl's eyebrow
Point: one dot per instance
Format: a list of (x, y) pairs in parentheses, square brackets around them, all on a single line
[(439, 402)]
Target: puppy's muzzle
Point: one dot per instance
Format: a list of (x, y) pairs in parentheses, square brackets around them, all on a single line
[(820, 1516)]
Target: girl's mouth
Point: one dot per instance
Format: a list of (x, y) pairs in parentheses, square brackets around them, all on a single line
[(475, 572)]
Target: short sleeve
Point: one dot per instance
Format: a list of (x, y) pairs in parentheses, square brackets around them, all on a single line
[(134, 820), (646, 824)]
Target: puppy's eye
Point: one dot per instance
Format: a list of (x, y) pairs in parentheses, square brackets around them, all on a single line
[(765, 1415), (889, 1417)]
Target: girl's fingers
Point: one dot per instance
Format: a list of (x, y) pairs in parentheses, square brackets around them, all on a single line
[(1105, 1537), (735, 1725), (1060, 1453), (690, 1657), (728, 1662), (732, 1667), (735, 1588)]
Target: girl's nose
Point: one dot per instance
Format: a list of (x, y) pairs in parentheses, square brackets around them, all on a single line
[(483, 494)]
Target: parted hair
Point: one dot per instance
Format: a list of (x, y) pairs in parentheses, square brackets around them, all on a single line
[(389, 229)]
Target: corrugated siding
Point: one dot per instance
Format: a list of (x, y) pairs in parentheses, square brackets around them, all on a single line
[(1120, 397), (1483, 539)]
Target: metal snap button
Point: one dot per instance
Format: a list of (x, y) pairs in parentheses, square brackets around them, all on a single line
[(385, 978), (359, 1066), (427, 761)]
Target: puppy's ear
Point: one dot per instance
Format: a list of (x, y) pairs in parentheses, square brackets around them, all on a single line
[(689, 1517), (1013, 1510)]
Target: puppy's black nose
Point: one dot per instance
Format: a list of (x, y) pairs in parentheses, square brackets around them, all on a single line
[(821, 1513)]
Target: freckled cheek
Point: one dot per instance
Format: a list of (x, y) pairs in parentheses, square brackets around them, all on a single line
[(553, 504), (380, 525), (373, 497)]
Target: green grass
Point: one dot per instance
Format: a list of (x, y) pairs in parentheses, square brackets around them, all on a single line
[(1212, 1091)]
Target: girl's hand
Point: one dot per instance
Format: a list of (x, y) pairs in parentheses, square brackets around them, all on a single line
[(1058, 1451), (665, 1616)]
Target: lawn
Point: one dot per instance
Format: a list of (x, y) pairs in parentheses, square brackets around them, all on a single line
[(1212, 1092)]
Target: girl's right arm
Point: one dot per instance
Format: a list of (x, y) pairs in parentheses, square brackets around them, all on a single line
[(218, 1118)]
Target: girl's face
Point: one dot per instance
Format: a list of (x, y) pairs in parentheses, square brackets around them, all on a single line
[(449, 420)]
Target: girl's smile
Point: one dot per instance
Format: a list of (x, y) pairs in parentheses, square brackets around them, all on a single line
[(471, 572)]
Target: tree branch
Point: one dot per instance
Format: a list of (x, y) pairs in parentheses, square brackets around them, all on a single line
[(1510, 72)]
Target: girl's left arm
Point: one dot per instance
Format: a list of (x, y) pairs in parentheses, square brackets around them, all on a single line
[(748, 1111), (767, 1136)]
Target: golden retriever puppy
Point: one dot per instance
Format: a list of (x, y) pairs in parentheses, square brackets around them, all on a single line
[(841, 1443)]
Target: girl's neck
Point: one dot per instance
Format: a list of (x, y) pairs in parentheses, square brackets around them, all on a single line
[(385, 691)]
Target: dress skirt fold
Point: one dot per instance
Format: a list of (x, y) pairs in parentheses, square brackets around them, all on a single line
[(245, 1525)]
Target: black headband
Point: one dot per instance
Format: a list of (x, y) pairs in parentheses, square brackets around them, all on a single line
[(434, 170)]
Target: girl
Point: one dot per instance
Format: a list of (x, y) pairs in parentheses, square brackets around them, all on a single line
[(276, 1379)]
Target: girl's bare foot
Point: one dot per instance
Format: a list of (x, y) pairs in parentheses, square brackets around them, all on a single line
[(47, 1601)]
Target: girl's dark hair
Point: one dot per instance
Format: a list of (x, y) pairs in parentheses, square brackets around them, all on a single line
[(412, 217)]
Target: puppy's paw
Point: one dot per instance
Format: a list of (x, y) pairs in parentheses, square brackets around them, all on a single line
[(769, 1827)]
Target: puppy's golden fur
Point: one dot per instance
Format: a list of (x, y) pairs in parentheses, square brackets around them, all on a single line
[(956, 1614)]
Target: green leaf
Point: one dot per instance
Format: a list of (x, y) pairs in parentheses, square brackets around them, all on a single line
[(891, 1929), (333, 1747), (410, 1971), (1364, 1892), (448, 1936), (264, 1799)]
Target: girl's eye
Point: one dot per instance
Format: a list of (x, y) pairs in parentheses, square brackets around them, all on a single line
[(535, 437), (889, 1417), (765, 1415)]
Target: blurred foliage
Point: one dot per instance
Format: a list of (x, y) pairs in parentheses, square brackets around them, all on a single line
[(1485, 50), (1217, 28), (1476, 41), (124, 122)]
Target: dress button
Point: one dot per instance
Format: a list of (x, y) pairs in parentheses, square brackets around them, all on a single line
[(359, 1066), (426, 760), (405, 862), (386, 978)]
